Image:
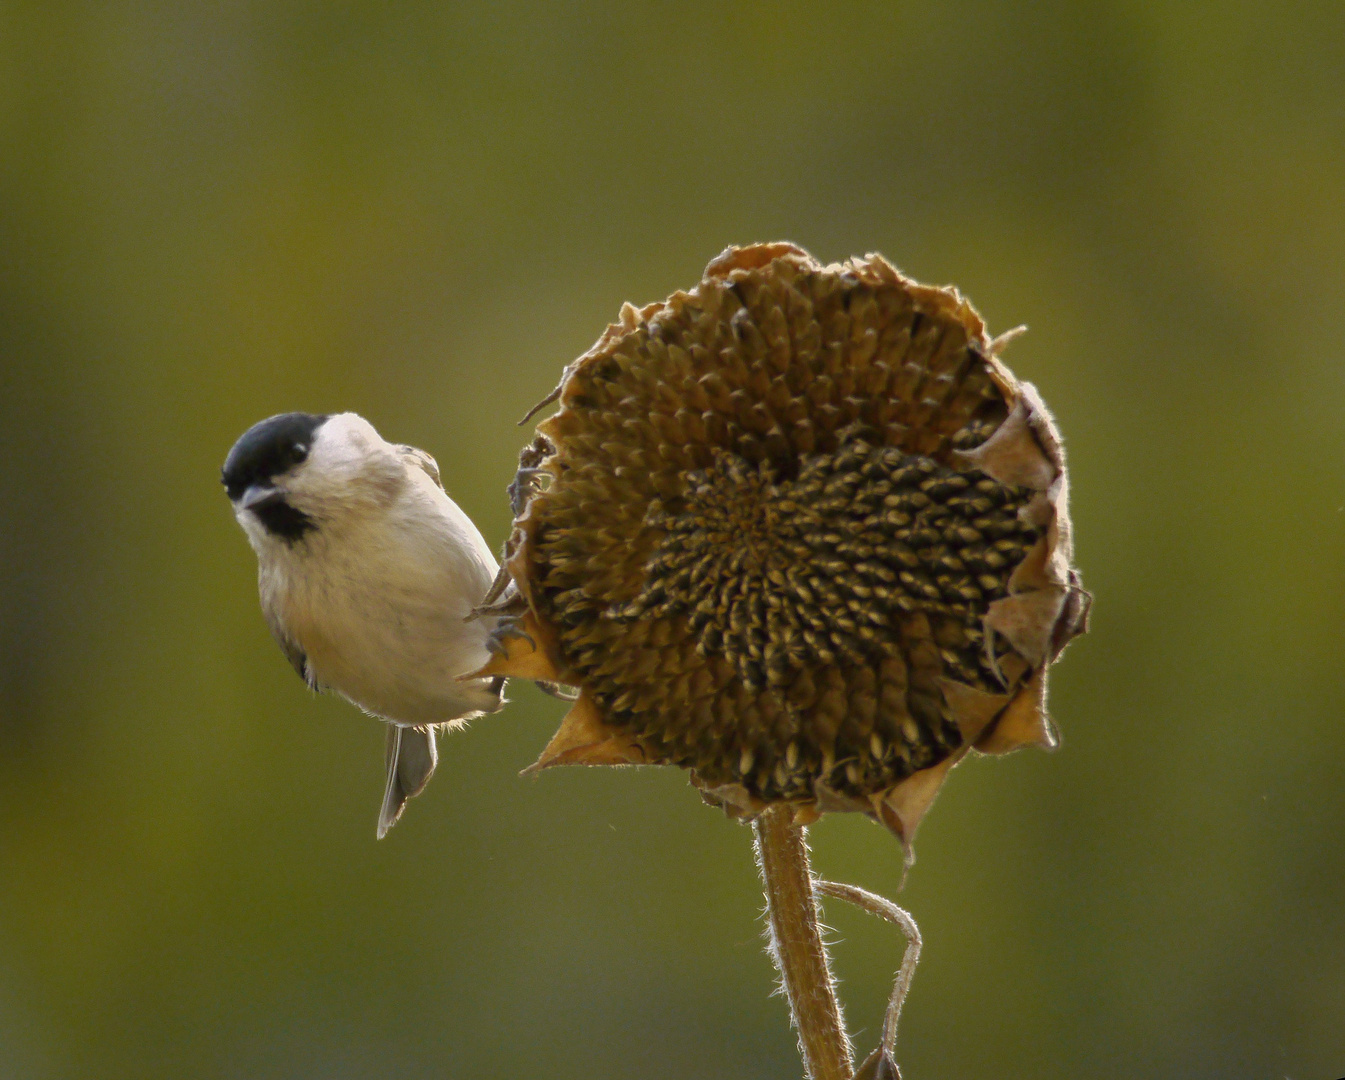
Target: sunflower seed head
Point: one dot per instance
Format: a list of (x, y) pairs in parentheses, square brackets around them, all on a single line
[(803, 534)]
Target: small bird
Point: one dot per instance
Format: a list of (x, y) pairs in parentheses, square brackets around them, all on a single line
[(368, 572)]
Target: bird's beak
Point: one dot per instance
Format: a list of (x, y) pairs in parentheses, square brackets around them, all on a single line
[(260, 495)]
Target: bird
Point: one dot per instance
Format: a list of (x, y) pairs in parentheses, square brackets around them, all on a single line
[(368, 575)]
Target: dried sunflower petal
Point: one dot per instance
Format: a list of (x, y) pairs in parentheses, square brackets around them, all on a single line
[(799, 531)]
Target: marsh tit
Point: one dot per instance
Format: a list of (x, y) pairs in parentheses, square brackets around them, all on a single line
[(368, 572)]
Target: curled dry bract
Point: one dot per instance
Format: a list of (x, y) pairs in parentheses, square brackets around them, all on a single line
[(798, 530)]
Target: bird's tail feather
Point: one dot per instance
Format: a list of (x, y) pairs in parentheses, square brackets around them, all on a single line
[(411, 758)]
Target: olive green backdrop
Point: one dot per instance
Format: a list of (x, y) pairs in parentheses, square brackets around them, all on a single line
[(212, 211)]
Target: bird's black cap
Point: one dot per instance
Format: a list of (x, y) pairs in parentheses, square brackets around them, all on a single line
[(268, 449)]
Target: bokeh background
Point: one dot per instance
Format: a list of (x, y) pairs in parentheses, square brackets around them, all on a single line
[(215, 210)]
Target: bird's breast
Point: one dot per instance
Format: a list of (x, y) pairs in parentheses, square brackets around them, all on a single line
[(381, 619)]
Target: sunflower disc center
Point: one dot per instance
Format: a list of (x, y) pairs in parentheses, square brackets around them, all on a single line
[(778, 574)]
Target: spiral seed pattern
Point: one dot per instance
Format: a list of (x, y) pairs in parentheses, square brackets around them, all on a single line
[(778, 575)]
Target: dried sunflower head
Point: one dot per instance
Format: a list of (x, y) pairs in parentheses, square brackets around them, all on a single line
[(799, 531)]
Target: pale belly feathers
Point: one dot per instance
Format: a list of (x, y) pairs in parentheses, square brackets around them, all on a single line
[(380, 614)]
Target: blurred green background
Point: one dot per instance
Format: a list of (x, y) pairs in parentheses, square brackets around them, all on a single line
[(214, 211)]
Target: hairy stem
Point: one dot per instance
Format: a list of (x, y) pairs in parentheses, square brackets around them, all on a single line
[(796, 945), (885, 909)]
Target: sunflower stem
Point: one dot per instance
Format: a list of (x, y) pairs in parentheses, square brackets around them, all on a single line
[(796, 945)]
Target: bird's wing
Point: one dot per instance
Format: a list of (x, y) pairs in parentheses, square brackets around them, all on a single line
[(293, 652), (422, 461)]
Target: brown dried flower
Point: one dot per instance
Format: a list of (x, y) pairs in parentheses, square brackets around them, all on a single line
[(799, 531)]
